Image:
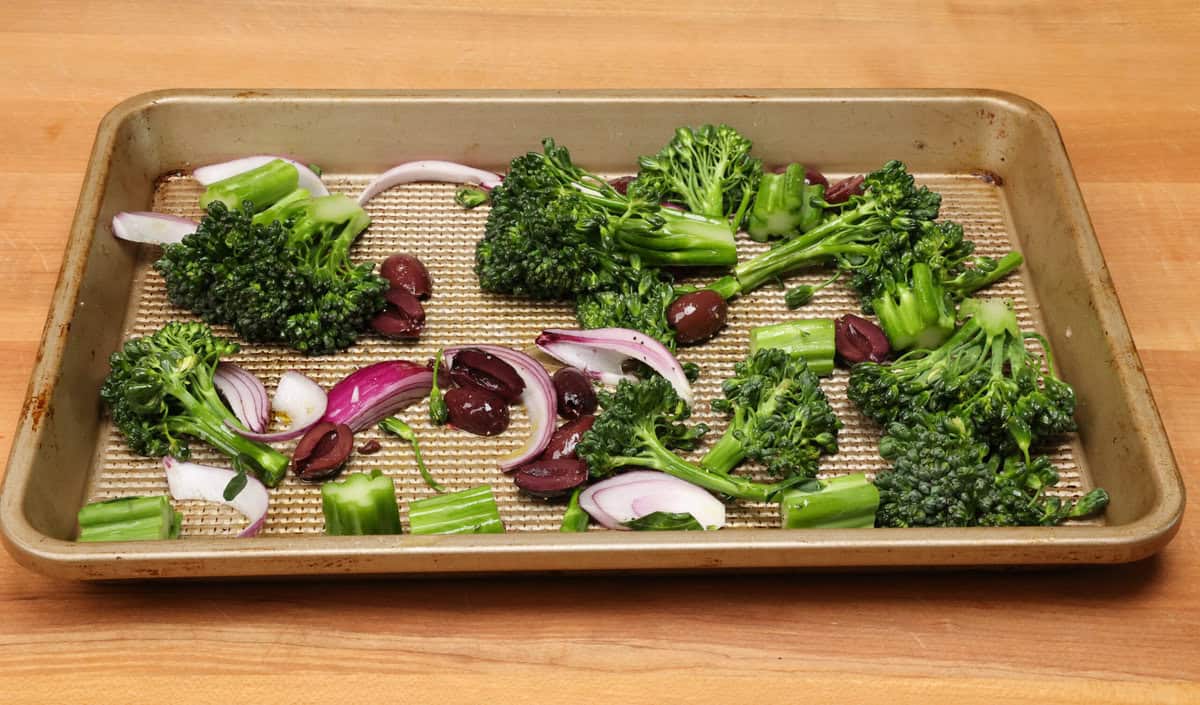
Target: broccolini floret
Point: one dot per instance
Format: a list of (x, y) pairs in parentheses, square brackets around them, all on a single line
[(283, 275), (983, 374), (779, 417), (640, 424), (707, 169), (942, 475), (160, 392), (556, 230)]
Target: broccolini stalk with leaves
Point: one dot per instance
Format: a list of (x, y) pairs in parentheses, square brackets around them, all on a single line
[(943, 476), (983, 375), (160, 393), (283, 275), (555, 231), (707, 169), (779, 417), (891, 205), (640, 426)]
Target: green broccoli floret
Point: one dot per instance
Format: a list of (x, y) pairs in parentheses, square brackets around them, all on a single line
[(708, 169), (160, 391), (983, 374), (640, 424), (891, 204), (639, 301), (786, 204), (942, 476), (915, 283), (556, 230), (283, 275), (780, 417)]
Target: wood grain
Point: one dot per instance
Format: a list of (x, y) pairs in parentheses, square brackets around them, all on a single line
[(1120, 79)]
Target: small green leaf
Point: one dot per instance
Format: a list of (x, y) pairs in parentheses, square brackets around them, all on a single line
[(665, 521), (237, 483)]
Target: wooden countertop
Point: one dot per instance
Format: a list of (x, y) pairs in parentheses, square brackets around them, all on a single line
[(1119, 77)]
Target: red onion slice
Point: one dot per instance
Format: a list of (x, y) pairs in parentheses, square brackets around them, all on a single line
[(152, 228), (219, 172), (429, 170), (372, 393), (301, 400), (621, 499), (246, 395), (541, 403), (203, 482), (601, 352)]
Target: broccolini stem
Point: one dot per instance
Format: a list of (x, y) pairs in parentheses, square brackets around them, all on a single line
[(396, 427), (205, 420), (725, 454), (666, 461), (847, 502), (261, 186), (965, 285)]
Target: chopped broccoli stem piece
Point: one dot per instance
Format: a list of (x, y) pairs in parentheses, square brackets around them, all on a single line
[(472, 511), (846, 502), (575, 519), (786, 204), (811, 338), (360, 505), (396, 427), (129, 519), (261, 187)]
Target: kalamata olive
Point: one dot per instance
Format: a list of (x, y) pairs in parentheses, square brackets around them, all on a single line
[(404, 316), (371, 447), (475, 368), (551, 478), (576, 395), (322, 451), (697, 316), (407, 273), (859, 340), (621, 184), (566, 437), (477, 411), (811, 175), (844, 189)]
